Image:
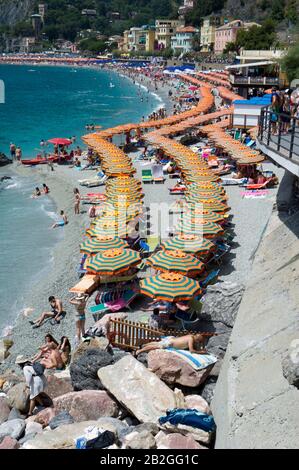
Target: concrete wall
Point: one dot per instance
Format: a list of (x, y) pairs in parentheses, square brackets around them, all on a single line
[(254, 405)]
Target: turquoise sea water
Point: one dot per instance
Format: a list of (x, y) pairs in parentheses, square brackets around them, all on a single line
[(41, 103)]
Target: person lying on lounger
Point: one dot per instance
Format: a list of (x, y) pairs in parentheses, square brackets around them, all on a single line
[(193, 343), (56, 314)]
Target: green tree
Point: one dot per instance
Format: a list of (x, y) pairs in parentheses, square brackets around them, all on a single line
[(92, 45), (290, 63)]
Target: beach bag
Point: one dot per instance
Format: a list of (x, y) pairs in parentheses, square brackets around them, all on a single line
[(38, 368)]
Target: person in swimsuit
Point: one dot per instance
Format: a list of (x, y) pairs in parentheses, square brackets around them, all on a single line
[(65, 350), (46, 189), (36, 193), (80, 303), (77, 201), (53, 360), (193, 343), (56, 314), (50, 343), (61, 222)]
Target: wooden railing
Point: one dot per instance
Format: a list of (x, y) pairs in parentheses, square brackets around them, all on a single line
[(126, 334)]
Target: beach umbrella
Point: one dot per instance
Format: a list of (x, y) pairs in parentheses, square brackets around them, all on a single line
[(194, 213), (205, 186), (189, 243), (113, 261), (210, 204), (199, 226), (171, 287), (94, 245), (202, 196), (176, 261), (195, 176), (60, 141), (114, 230)]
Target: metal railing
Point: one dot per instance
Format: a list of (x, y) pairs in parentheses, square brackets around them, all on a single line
[(242, 80), (279, 132)]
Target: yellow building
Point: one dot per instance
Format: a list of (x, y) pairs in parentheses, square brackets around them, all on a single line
[(139, 39), (207, 33), (165, 29)]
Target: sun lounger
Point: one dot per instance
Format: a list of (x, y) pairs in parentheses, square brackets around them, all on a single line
[(233, 181), (177, 191), (222, 250), (86, 285), (211, 277), (147, 176), (150, 245), (123, 302), (115, 279), (188, 320), (98, 180), (158, 175), (257, 186)]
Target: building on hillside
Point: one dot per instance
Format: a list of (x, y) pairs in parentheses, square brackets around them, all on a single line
[(181, 42), (187, 6), (228, 33), (42, 9), (139, 39), (260, 56), (88, 12), (207, 33), (37, 25), (165, 29), (26, 44)]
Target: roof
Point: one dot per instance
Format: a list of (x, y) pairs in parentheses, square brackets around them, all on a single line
[(187, 29), (258, 100), (250, 64), (230, 25)]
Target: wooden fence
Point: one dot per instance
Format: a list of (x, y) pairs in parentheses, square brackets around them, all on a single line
[(126, 334)]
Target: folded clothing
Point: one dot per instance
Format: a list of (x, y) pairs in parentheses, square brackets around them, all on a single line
[(189, 417)]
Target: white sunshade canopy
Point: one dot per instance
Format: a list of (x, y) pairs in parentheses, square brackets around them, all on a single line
[(252, 64)]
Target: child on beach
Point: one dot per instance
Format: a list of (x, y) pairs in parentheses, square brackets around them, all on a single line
[(36, 193), (46, 189)]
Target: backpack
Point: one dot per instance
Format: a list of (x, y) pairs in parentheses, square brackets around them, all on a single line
[(38, 368)]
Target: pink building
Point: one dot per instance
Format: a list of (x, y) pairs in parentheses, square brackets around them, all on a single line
[(228, 33)]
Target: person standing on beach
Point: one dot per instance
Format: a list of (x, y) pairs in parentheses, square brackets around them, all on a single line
[(18, 154), (12, 149), (35, 381), (80, 303), (77, 201)]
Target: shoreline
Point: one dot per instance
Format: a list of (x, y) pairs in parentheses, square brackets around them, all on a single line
[(66, 257)]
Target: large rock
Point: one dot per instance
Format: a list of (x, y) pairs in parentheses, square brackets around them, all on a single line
[(290, 366), (112, 424), (8, 380), (4, 410), (15, 414), (208, 389), (9, 443), (62, 437), (93, 343), (222, 302), (18, 397), (61, 418), (174, 370), (85, 405), (44, 416), (84, 369), (198, 403), (139, 440), (197, 434), (58, 386), (33, 428), (176, 441), (5, 345), (14, 428), (138, 389)]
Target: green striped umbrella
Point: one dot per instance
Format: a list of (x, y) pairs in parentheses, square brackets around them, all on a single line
[(201, 227), (202, 196), (211, 205), (189, 243), (176, 261), (120, 210), (193, 177), (121, 231), (205, 187), (94, 245), (201, 214), (171, 287), (114, 261)]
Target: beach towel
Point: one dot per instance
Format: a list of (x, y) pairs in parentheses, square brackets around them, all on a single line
[(197, 361), (189, 417)]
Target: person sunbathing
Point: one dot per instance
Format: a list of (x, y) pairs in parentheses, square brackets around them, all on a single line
[(50, 344), (53, 360), (193, 343)]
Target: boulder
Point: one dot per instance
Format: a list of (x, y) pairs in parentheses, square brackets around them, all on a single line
[(85, 405), (207, 391), (198, 403), (26, 438), (138, 389), (15, 414), (139, 440), (150, 427), (8, 380), (130, 421), (14, 428), (9, 443), (62, 437), (84, 369), (58, 386), (4, 160), (61, 418), (5, 345), (197, 434), (18, 397), (44, 416), (176, 441), (112, 424), (33, 428), (174, 370), (93, 343), (222, 302), (217, 345), (290, 366), (4, 410)]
